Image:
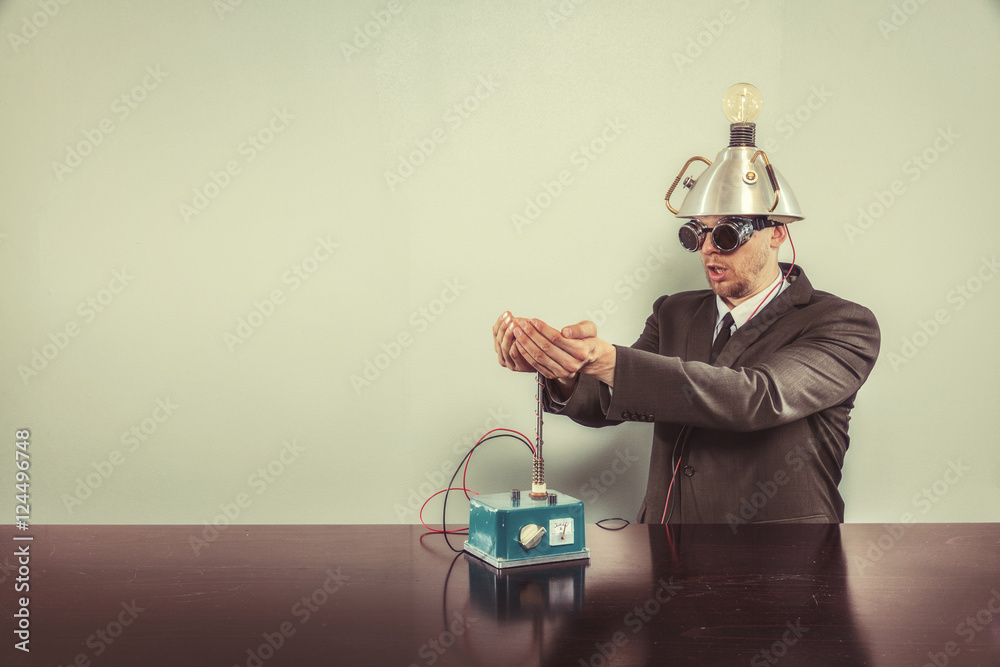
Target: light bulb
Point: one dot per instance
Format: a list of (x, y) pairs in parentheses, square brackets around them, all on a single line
[(742, 103)]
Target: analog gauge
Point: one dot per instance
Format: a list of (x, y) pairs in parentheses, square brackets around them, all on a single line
[(560, 532)]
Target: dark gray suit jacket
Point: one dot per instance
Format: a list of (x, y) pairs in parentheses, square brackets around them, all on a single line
[(761, 434)]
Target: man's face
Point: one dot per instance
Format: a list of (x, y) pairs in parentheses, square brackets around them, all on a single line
[(738, 275)]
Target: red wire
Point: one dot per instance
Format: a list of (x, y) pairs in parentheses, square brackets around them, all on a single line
[(677, 467), (669, 489), (787, 231), (463, 488), (467, 460), (438, 530)]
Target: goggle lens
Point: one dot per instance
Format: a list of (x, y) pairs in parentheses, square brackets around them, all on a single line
[(691, 234), (728, 234)]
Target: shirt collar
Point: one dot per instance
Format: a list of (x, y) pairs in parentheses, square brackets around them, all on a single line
[(743, 311)]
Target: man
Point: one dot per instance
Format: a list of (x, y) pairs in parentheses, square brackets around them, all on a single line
[(755, 433)]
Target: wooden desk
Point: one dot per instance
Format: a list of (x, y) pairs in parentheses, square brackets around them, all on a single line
[(854, 594)]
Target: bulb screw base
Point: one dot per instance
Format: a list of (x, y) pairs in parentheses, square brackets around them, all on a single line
[(742, 134)]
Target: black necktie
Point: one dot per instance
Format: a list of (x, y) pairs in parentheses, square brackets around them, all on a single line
[(722, 338)]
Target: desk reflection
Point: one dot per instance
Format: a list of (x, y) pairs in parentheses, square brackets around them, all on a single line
[(854, 594), (678, 595)]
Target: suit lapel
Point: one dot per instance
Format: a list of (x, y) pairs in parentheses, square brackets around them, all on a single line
[(798, 292), (699, 339)]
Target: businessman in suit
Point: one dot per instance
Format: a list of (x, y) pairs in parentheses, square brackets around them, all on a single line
[(749, 386)]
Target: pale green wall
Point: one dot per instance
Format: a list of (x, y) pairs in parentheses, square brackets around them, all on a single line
[(341, 119)]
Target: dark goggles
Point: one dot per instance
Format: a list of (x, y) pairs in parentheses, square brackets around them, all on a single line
[(729, 233)]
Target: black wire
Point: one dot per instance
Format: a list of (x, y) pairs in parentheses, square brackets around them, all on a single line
[(444, 509), (447, 577), (673, 473), (682, 441), (613, 518)]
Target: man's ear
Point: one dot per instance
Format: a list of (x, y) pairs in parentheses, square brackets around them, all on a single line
[(778, 235)]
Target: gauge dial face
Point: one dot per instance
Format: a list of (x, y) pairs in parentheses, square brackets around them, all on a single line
[(560, 532)]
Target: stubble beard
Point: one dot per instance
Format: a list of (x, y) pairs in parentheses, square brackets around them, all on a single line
[(746, 270)]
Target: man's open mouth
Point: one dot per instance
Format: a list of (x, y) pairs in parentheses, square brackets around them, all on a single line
[(716, 272)]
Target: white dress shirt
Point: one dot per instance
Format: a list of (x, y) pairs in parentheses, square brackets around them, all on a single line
[(743, 311)]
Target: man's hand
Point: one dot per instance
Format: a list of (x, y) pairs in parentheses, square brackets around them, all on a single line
[(560, 355), (503, 343)]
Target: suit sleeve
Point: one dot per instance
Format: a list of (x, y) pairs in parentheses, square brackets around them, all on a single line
[(821, 366), (591, 399)]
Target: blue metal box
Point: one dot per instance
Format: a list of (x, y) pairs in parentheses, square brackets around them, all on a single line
[(505, 532)]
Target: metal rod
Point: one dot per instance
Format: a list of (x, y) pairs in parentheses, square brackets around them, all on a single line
[(538, 415), (538, 489)]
